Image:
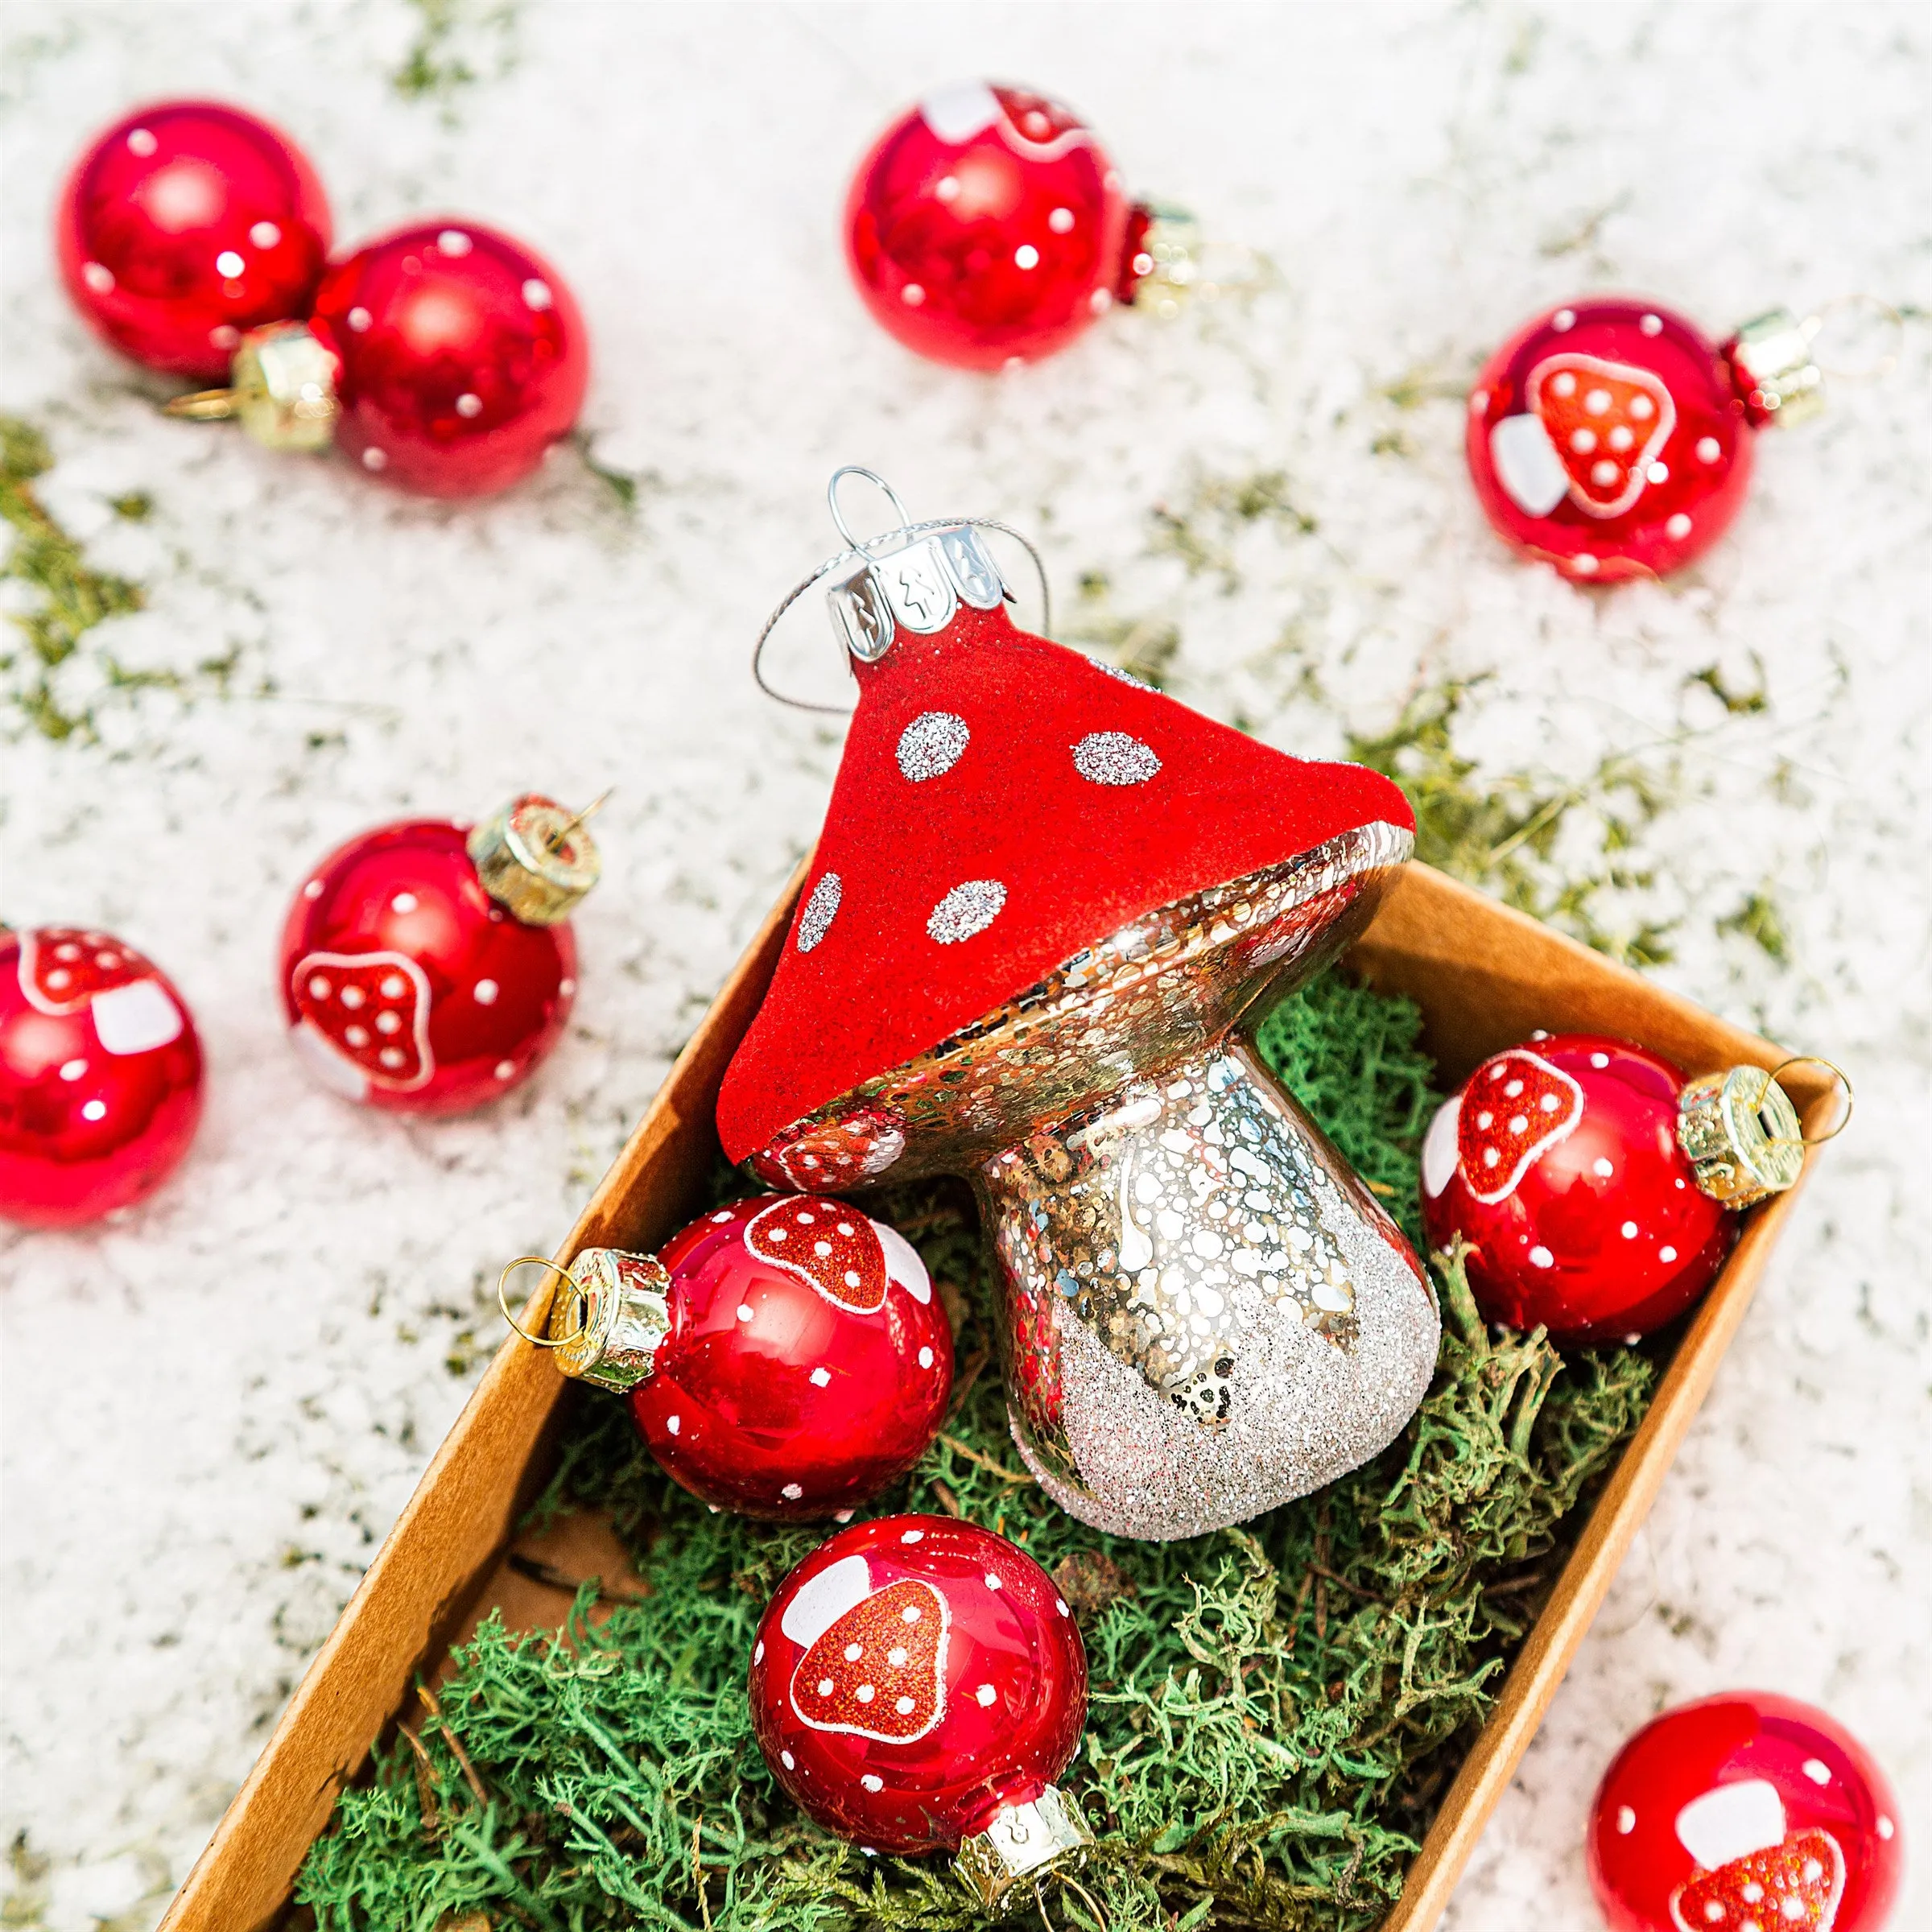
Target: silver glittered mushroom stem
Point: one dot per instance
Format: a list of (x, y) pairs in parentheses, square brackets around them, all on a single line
[(1202, 1312)]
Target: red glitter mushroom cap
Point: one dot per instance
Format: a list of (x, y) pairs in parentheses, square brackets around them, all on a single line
[(1002, 803)]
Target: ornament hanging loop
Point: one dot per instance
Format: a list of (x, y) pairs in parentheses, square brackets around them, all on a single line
[(1844, 1081), (878, 482), (1819, 323), (539, 1261)]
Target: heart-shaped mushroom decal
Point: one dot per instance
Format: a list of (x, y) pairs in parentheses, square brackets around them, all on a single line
[(1044, 896)]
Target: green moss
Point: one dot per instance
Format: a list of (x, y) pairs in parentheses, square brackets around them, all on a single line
[(1275, 1710), (1759, 920), (451, 37)]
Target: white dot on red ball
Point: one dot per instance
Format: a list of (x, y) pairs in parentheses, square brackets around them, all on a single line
[(359, 319), (566, 987), (1707, 449), (1626, 1820), (912, 295), (1629, 1231), (821, 1378), (925, 1358), (1059, 1603), (1100, 301), (1026, 256), (758, 1656), (1816, 1770), (229, 264), (506, 1069), (1540, 1257), (99, 278), (94, 1110), (993, 1583), (453, 242), (72, 1070), (312, 890), (1679, 525), (140, 141), (949, 188), (1666, 1254), (1564, 319), (673, 1424), (536, 294), (375, 459), (1584, 564), (871, 1780), (1652, 325), (1885, 1826), (486, 992), (470, 405), (986, 1695), (1601, 1168), (786, 1759), (744, 1312), (1600, 1059), (1061, 221), (791, 1493), (914, 1536)]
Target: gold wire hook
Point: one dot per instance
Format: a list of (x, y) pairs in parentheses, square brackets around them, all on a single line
[(537, 1260), (1093, 1904), (1839, 1074), (555, 842), (1815, 324)]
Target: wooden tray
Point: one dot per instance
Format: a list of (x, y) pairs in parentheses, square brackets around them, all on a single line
[(1484, 977)]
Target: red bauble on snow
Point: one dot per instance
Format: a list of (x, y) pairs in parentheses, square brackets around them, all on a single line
[(1593, 1181), (917, 1685), (185, 224), (1613, 439), (989, 224), (100, 1077), (427, 967), (462, 357), (784, 1356), (1741, 1811)]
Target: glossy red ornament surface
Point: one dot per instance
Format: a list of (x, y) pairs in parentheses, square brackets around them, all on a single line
[(1611, 438), (185, 223), (976, 1676), (986, 224), (1746, 1812), (793, 1383), (100, 1077), (1589, 1220), (407, 987), (464, 357)]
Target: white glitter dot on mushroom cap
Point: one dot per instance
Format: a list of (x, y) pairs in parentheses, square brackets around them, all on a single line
[(815, 921), (931, 744), (968, 908), (1111, 757)]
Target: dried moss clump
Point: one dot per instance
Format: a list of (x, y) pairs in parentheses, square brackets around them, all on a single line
[(1275, 1712)]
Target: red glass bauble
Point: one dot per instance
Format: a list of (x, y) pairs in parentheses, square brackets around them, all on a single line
[(185, 223), (1746, 1812), (1612, 439), (1559, 1162), (463, 357), (806, 1365), (914, 1680), (100, 1077), (988, 223), (407, 986)]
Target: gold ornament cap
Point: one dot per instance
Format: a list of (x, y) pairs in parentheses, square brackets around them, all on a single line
[(281, 390), (535, 859), (1020, 1842), (1741, 1133), (1168, 261), (607, 1332), (1773, 353)]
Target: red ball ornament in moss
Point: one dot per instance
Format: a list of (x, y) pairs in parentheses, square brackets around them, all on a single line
[(1598, 1188), (988, 224), (427, 967), (917, 1686), (185, 225), (1744, 1811), (100, 1077), (1612, 439), (784, 1357)]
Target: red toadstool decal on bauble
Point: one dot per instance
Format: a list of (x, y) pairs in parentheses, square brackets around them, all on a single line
[(1044, 899)]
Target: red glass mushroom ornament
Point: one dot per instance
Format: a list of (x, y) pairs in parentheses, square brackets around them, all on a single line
[(185, 225), (988, 224), (784, 1357), (1043, 897), (1746, 1812), (1612, 439), (427, 967), (917, 1686), (1599, 1188), (100, 1077), (444, 357)]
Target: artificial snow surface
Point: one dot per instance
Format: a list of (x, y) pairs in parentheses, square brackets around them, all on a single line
[(214, 1409)]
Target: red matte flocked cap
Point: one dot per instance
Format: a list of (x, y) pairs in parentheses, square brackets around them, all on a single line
[(1003, 802)]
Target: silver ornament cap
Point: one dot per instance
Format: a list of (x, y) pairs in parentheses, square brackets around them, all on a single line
[(608, 1331), (1021, 1842)]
